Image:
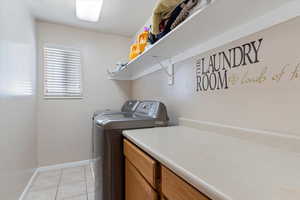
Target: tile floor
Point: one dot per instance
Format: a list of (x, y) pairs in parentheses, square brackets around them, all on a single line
[(76, 183)]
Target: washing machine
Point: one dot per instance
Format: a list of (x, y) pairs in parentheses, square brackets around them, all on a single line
[(109, 168), (97, 142), (128, 107)]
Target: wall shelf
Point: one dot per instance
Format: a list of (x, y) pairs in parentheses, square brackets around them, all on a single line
[(213, 25)]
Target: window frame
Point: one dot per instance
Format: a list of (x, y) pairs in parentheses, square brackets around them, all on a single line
[(45, 96)]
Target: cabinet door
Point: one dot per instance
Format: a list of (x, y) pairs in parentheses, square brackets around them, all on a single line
[(146, 166), (174, 188), (136, 188)]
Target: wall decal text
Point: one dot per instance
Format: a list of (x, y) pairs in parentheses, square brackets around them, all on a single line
[(212, 71)]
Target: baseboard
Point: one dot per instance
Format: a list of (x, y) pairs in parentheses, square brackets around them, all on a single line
[(27, 188), (63, 165)]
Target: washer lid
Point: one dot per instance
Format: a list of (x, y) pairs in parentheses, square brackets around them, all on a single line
[(124, 121)]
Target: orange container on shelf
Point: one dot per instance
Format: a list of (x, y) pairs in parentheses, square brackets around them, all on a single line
[(134, 51), (143, 40), (141, 44)]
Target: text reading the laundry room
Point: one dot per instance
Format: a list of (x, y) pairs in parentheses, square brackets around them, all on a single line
[(212, 71)]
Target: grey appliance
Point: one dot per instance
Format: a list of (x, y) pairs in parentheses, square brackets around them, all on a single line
[(109, 172), (97, 140), (128, 106)]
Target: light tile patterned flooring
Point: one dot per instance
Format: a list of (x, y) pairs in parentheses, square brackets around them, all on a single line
[(76, 183)]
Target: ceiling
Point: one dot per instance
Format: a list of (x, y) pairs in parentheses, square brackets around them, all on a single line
[(122, 17)]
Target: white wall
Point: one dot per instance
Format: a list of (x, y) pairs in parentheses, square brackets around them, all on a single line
[(268, 104), (64, 126), (17, 98)]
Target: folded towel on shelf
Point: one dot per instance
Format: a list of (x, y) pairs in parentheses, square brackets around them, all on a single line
[(186, 7), (170, 20), (161, 12)]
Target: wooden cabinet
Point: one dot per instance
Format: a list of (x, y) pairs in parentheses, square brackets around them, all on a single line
[(145, 179), (174, 188), (147, 166), (136, 187), (141, 174)]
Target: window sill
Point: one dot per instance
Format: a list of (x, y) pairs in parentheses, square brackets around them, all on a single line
[(60, 98)]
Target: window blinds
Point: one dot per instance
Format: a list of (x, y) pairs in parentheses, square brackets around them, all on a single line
[(62, 72)]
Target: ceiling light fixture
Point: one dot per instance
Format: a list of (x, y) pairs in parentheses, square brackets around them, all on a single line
[(89, 10)]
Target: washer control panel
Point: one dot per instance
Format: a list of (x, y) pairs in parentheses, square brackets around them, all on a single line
[(148, 108)]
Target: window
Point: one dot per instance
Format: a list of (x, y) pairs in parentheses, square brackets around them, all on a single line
[(62, 73)]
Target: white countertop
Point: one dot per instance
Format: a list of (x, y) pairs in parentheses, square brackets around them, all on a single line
[(223, 167)]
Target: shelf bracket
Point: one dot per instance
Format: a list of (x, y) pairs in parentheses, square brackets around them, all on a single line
[(168, 68)]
